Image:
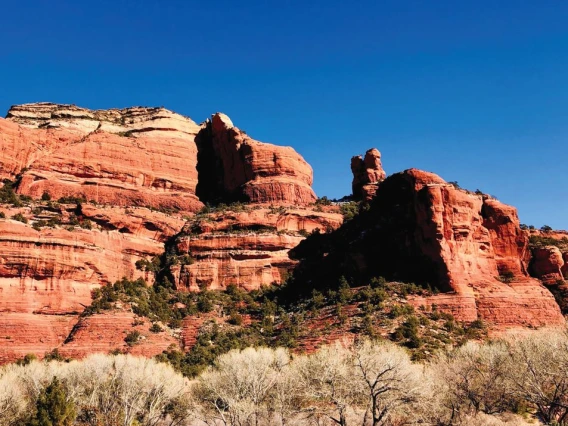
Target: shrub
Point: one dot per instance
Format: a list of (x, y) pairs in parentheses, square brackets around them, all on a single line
[(235, 318), (323, 201), (349, 210), (132, 338), (27, 359), (45, 196), (155, 328), (54, 407), (20, 218), (506, 277), (8, 195)]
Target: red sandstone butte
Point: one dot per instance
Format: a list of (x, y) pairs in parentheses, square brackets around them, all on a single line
[(367, 174), (470, 241), (133, 156)]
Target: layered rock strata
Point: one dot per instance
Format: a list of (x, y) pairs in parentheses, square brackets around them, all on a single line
[(145, 157), (248, 249), (234, 167)]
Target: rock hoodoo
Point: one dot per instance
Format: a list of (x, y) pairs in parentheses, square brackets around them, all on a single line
[(367, 174)]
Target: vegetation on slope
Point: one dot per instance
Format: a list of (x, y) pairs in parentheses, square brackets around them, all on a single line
[(235, 319)]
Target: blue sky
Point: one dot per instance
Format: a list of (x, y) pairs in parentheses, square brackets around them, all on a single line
[(475, 91)]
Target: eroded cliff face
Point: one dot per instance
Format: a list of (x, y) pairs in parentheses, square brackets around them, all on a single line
[(125, 164), (47, 274), (146, 157), (248, 248), (145, 174), (133, 156), (421, 229), (234, 167)]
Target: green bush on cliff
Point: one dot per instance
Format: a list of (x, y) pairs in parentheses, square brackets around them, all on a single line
[(8, 194)]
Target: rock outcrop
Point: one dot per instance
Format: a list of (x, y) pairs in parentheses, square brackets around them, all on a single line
[(424, 230), (134, 156), (549, 255), (248, 248), (145, 157), (120, 161), (234, 167), (548, 264), (367, 174), (47, 275), (145, 175)]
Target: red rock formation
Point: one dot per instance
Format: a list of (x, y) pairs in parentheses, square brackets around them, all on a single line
[(145, 156), (548, 264), (135, 156), (421, 229), (106, 332), (235, 167), (46, 277), (469, 241), (248, 249), (367, 174)]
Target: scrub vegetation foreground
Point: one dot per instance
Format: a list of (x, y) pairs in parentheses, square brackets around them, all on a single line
[(517, 380)]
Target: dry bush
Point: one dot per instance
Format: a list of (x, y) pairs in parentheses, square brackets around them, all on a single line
[(539, 373), (109, 390), (472, 379), (328, 388), (244, 387)]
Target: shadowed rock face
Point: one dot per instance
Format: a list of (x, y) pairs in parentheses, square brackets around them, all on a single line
[(421, 229)]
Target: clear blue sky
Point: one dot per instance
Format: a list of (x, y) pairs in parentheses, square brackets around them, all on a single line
[(475, 91)]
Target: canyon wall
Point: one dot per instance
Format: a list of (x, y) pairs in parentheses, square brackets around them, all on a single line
[(104, 190)]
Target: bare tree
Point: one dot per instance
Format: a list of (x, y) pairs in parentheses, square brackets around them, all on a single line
[(238, 389), (328, 384), (13, 404), (539, 372), (394, 387), (474, 378)]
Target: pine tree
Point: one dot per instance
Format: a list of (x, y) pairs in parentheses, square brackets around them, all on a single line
[(53, 408)]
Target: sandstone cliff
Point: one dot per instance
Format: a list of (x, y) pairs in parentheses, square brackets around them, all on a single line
[(234, 167), (124, 163), (145, 157), (424, 230), (248, 248)]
